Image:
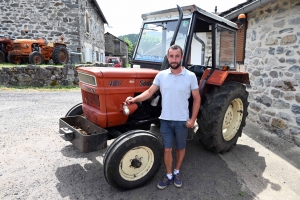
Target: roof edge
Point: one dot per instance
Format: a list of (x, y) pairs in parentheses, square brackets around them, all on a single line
[(244, 8), (100, 11)]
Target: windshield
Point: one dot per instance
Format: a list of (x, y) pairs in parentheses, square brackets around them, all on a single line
[(156, 38)]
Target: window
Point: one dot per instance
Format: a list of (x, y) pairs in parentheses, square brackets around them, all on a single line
[(97, 56), (117, 46), (101, 57), (87, 22), (88, 55), (225, 47)]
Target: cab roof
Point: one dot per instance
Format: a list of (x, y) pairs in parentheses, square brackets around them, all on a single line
[(187, 10)]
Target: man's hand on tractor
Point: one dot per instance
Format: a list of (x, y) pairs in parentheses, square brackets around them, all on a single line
[(129, 100)]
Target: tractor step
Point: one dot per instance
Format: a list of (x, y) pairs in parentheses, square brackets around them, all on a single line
[(83, 134)]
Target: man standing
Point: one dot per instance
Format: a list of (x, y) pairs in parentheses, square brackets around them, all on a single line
[(176, 85)]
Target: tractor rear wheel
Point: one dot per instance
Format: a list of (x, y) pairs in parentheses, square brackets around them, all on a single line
[(223, 116), (14, 59), (132, 159), (2, 57), (60, 55), (36, 58)]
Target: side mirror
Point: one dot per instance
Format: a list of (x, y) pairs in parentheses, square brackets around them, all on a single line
[(241, 20)]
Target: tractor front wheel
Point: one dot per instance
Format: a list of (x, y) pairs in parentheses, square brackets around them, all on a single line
[(2, 57), (223, 116), (132, 159), (60, 55), (35, 58), (75, 110)]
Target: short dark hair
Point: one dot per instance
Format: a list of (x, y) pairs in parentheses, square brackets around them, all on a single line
[(174, 47)]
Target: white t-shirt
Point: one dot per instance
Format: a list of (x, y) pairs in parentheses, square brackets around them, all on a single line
[(175, 91)]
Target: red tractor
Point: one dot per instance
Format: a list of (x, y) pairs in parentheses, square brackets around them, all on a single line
[(209, 43), (38, 51), (6, 46)]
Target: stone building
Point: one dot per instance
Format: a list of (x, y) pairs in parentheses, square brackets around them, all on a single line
[(81, 22), (116, 47), (272, 57)]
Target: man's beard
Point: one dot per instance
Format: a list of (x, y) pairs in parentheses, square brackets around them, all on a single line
[(175, 67)]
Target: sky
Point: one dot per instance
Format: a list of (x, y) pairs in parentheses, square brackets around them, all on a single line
[(124, 16)]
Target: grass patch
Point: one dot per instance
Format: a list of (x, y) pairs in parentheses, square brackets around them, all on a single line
[(40, 89), (9, 65), (241, 194)]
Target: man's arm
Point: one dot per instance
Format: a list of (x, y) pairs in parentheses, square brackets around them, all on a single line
[(196, 107), (142, 97)]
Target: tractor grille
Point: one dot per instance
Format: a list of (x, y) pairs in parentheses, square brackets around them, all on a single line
[(17, 46), (87, 79), (90, 99)]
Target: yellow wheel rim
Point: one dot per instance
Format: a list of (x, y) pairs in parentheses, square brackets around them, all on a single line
[(136, 163), (232, 119)]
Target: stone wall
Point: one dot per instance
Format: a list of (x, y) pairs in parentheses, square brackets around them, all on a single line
[(48, 19), (51, 19), (273, 62), (36, 76)]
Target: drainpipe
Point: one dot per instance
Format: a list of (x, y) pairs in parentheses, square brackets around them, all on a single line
[(202, 49), (246, 8)]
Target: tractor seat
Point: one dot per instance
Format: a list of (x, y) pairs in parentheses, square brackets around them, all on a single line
[(198, 70)]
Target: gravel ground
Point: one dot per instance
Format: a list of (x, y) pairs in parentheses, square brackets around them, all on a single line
[(36, 163)]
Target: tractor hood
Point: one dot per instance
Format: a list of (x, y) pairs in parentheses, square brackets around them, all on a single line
[(104, 90), (105, 72), (111, 80)]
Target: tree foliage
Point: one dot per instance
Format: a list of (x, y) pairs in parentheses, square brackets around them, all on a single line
[(130, 47), (131, 40), (132, 37)]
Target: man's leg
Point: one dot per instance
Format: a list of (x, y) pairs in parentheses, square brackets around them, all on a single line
[(179, 158), (167, 137), (181, 132), (168, 159)]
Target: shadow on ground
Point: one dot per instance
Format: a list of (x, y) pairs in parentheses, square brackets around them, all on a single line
[(205, 176), (288, 151)]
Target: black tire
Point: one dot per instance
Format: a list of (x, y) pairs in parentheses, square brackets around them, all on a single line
[(14, 59), (75, 110), (124, 166), (35, 58), (2, 57), (224, 109), (60, 55)]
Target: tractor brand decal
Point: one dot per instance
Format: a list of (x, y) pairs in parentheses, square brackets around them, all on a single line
[(115, 83), (145, 83), (89, 89)]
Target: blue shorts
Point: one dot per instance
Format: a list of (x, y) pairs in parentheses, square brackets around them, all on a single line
[(173, 129)]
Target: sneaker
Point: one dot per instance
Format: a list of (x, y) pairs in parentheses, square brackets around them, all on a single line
[(164, 183), (177, 180)]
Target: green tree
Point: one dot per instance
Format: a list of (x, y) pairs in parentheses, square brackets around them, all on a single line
[(132, 37), (130, 48)]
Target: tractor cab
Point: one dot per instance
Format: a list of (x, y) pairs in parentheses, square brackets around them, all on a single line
[(208, 41)]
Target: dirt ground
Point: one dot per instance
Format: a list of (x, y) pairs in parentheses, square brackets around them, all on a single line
[(35, 163)]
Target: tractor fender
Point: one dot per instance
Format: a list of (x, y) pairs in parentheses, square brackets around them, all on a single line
[(218, 77)]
